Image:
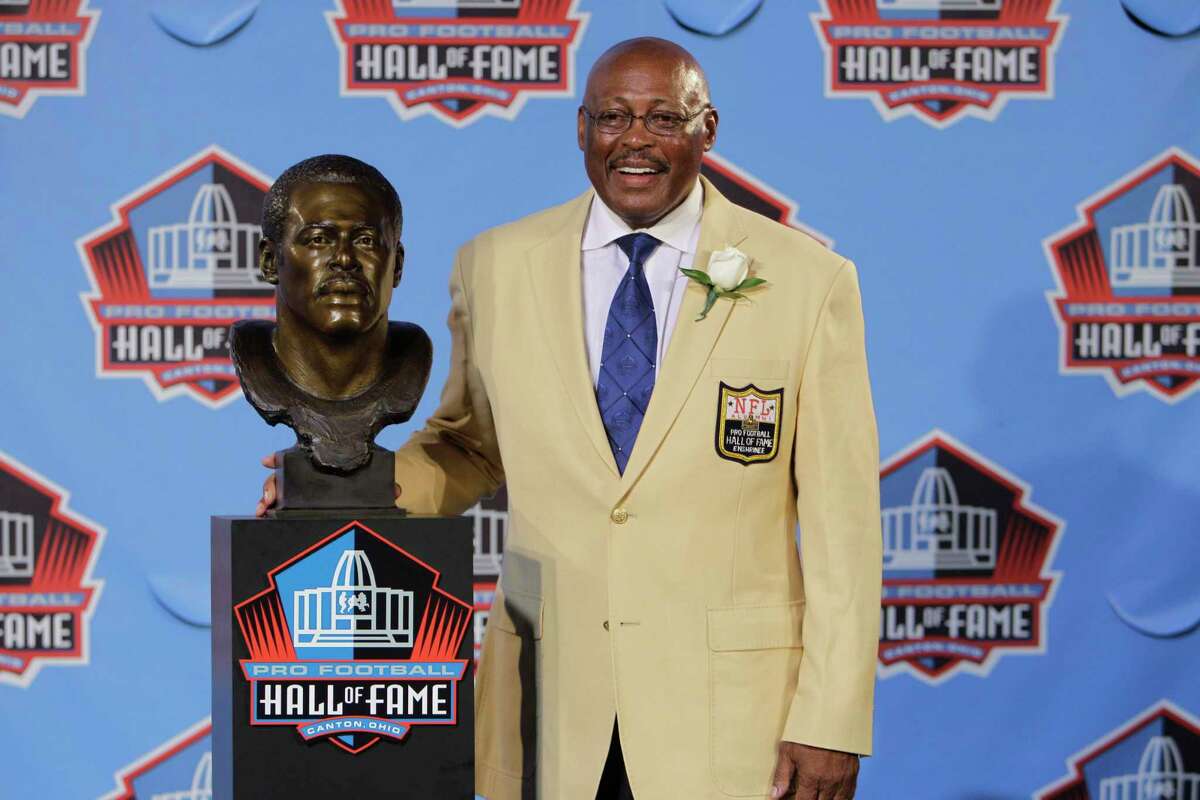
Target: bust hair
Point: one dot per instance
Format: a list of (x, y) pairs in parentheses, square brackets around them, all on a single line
[(328, 168)]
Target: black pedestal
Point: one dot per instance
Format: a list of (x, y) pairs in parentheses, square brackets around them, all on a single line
[(342, 657)]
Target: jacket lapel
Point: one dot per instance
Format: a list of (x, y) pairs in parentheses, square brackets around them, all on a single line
[(555, 270), (691, 342)]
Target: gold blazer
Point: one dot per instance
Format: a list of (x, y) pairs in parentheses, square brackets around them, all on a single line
[(671, 596)]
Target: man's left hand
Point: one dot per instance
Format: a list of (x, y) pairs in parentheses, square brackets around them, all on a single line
[(813, 773)]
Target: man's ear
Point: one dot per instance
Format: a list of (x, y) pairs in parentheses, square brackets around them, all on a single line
[(711, 119), (399, 270), (581, 128), (267, 265)]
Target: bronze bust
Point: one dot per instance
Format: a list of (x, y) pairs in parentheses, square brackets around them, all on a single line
[(332, 367)]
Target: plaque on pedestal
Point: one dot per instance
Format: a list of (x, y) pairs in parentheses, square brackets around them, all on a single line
[(341, 657)]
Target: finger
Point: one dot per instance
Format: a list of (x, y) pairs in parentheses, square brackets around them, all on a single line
[(268, 496), (784, 770), (269, 461)]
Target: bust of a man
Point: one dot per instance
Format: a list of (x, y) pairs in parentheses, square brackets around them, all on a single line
[(332, 367)]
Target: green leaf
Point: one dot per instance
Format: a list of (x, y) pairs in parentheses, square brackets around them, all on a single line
[(713, 294), (697, 275), (749, 283), (735, 295)]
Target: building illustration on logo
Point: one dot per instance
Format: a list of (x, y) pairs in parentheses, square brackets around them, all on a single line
[(47, 593), (43, 51), (16, 545), (490, 518), (935, 532), (966, 558), (352, 610), (458, 60), (939, 60), (175, 267), (1162, 251), (491, 522), (178, 769), (1155, 756), (211, 250), (1127, 301)]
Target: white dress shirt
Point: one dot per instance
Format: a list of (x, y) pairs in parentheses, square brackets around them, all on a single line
[(605, 264)]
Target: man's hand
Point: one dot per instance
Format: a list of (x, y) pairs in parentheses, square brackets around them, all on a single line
[(813, 773), (267, 499)]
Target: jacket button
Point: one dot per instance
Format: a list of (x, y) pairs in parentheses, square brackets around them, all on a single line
[(605, 624), (620, 515)]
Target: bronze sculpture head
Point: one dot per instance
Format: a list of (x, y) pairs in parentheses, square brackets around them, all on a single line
[(332, 366)]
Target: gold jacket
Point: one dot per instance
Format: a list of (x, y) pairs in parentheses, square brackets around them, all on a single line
[(670, 596)]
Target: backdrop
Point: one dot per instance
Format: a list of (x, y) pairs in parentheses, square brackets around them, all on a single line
[(1017, 181)]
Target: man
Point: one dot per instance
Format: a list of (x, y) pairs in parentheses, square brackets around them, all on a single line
[(654, 635)]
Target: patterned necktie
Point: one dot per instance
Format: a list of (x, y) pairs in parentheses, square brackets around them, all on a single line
[(627, 360)]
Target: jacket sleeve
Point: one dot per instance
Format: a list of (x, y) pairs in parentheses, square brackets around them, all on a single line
[(836, 468), (450, 463)]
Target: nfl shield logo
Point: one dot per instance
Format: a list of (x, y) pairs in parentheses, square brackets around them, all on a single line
[(748, 423)]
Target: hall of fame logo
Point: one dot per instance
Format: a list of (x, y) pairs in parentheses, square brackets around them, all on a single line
[(353, 641), (178, 769), (457, 59), (753, 194), (1128, 274), (965, 558), (172, 271), (1155, 756), (47, 594), (941, 60), (43, 50), (490, 519)]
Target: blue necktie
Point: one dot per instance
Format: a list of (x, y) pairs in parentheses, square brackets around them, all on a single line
[(627, 360)]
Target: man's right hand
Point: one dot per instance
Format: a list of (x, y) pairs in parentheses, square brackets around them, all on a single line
[(267, 499)]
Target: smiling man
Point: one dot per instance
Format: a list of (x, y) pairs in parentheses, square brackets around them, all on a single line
[(655, 633)]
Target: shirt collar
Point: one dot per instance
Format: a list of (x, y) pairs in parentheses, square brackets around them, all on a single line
[(677, 229)]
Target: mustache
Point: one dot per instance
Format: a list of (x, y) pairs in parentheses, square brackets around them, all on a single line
[(336, 283), (639, 158)]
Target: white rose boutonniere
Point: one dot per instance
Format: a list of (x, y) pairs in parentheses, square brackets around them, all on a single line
[(728, 275)]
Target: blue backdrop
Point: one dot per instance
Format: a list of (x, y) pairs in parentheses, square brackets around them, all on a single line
[(994, 184)]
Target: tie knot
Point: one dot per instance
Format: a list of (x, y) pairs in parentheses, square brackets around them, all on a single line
[(638, 247)]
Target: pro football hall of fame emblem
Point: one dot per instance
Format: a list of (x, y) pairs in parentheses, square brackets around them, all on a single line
[(352, 642), (965, 562), (1155, 756), (457, 59), (941, 60), (47, 594), (175, 267), (178, 769), (1128, 274), (43, 50)]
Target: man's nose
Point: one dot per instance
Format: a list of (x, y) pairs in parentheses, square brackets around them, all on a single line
[(343, 256), (637, 135)]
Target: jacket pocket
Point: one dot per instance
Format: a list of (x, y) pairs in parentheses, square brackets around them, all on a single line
[(507, 703), (754, 655), (753, 368)]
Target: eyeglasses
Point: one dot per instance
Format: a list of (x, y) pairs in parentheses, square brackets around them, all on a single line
[(661, 123)]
